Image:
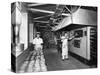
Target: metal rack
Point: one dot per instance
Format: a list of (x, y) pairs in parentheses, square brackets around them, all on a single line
[(93, 45)]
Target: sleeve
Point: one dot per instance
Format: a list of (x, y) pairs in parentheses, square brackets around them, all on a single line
[(41, 41), (33, 41), (71, 37)]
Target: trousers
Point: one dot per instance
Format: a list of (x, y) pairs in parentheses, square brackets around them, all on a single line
[(38, 49)]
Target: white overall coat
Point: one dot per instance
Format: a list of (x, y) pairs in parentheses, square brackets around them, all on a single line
[(64, 46)]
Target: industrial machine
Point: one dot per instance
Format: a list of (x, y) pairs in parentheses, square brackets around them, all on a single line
[(84, 44)]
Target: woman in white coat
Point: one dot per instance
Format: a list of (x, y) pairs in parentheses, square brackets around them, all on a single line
[(64, 40)]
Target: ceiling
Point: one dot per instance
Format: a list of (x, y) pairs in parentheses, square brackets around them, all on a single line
[(42, 13)]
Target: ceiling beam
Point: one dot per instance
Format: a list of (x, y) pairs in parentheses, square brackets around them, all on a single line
[(68, 9), (46, 11), (31, 5), (42, 17), (44, 22)]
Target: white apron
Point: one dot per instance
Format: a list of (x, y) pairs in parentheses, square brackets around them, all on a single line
[(65, 47)]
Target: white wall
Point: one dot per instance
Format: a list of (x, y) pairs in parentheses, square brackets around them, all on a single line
[(32, 32), (20, 17), (83, 51), (24, 30)]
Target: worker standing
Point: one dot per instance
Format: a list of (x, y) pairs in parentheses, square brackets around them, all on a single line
[(64, 40), (38, 44)]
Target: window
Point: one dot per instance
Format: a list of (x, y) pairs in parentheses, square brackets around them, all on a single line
[(78, 33)]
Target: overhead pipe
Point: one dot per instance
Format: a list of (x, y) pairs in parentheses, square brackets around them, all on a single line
[(46, 11)]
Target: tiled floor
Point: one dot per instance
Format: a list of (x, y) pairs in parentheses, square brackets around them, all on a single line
[(33, 63), (54, 62), (50, 61)]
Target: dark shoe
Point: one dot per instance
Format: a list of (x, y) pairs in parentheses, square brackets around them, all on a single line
[(63, 59), (67, 58)]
